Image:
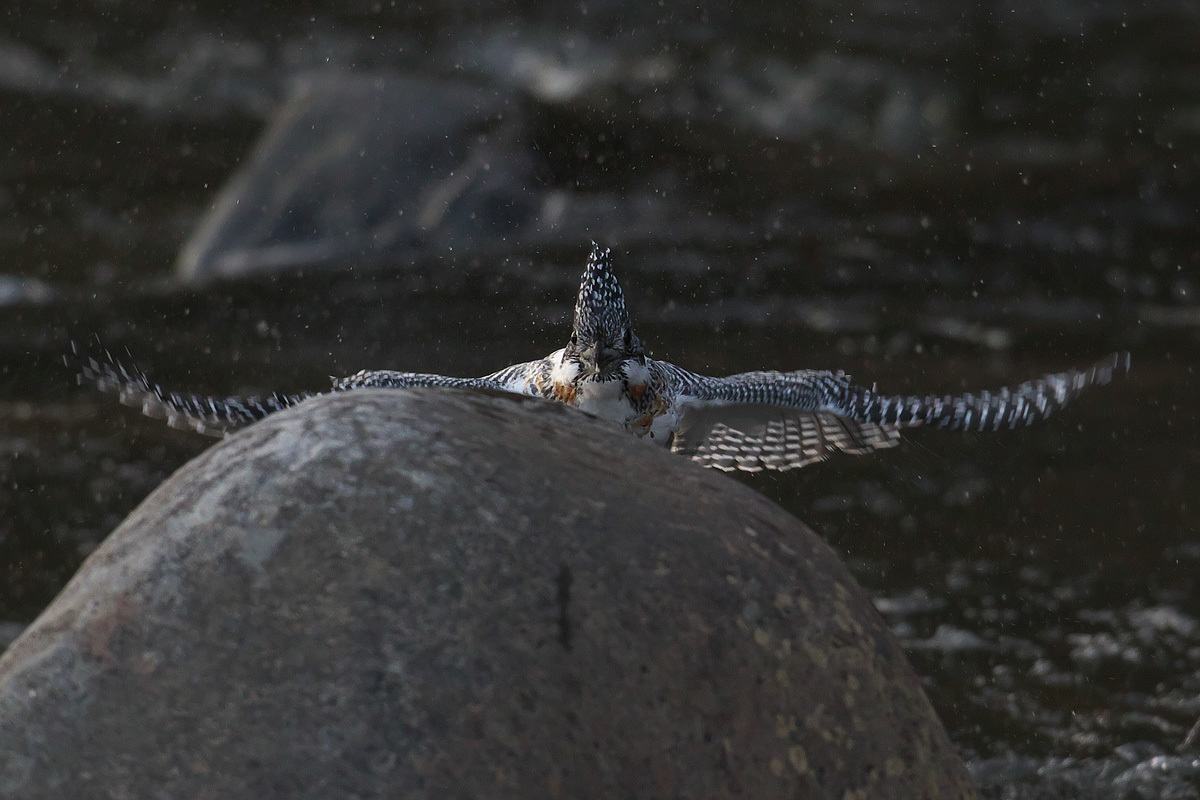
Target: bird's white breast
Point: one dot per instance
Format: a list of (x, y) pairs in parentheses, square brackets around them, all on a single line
[(605, 399), (565, 371), (663, 426)]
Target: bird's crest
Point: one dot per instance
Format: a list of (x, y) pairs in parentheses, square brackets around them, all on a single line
[(600, 313)]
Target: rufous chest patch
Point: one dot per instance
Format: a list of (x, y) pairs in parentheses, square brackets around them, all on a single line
[(564, 393)]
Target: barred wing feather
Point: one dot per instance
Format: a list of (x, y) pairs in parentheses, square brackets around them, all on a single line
[(754, 437), (211, 416), (785, 420), (216, 416)]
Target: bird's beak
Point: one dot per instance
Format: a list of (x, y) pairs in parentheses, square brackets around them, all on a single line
[(607, 357), (599, 358)]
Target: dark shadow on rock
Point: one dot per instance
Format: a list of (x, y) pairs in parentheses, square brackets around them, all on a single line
[(437, 594)]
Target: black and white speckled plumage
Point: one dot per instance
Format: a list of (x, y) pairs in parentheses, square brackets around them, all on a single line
[(600, 309), (750, 422), (783, 420), (208, 415)]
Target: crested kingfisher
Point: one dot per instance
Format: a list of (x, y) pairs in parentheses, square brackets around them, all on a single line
[(750, 421)]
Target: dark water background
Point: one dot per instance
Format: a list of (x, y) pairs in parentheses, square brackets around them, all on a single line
[(931, 196)]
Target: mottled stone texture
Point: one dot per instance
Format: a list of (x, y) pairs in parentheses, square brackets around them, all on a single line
[(437, 595)]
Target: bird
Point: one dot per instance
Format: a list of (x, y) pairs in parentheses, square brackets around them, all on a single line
[(749, 422)]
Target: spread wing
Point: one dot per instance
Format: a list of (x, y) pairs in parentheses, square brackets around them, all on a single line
[(785, 420), (768, 420), (755, 437), (518, 378), (212, 416), (216, 416)]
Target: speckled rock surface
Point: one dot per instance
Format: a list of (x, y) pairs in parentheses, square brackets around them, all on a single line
[(441, 595)]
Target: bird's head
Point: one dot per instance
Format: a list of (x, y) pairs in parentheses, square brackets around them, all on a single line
[(602, 339)]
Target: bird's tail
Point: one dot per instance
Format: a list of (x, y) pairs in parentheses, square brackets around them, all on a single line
[(984, 411), (213, 416)]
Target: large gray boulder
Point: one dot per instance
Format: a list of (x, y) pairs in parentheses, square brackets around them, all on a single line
[(433, 594)]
